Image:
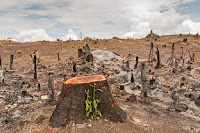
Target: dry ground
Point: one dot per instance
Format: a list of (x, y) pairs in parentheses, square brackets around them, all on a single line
[(142, 117)]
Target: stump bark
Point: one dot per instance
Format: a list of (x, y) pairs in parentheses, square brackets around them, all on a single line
[(71, 103)]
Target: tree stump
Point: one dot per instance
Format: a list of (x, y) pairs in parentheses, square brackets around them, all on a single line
[(71, 103)]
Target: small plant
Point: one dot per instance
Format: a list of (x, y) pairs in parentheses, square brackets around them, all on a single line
[(88, 108), (148, 36), (158, 36), (92, 106), (1, 46), (16, 61)]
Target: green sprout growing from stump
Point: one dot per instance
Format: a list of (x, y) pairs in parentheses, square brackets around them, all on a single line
[(92, 106)]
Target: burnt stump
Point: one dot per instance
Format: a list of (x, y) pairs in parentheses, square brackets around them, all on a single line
[(71, 103)]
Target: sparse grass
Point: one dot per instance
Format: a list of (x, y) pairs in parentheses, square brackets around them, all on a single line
[(72, 45), (56, 46), (16, 61)]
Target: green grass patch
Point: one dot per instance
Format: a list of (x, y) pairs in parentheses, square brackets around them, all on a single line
[(72, 45), (16, 61)]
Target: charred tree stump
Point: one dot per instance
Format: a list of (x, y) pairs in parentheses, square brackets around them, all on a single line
[(50, 97), (190, 56), (175, 66), (151, 53), (0, 63), (80, 52), (58, 56), (172, 55), (143, 81), (1, 76), (39, 87), (88, 54), (71, 106), (132, 78), (193, 57), (11, 62), (127, 66), (158, 60), (136, 64), (32, 56), (74, 67), (37, 55), (35, 66), (182, 60)]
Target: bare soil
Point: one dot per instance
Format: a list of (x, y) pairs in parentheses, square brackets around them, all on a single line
[(151, 116)]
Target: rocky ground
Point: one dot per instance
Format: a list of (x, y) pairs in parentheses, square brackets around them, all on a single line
[(172, 105)]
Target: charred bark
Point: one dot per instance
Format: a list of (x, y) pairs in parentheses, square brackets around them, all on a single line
[(50, 91), (136, 64), (11, 62), (172, 55), (35, 66), (143, 81), (151, 54)]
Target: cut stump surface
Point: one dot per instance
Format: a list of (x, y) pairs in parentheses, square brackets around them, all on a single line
[(71, 103)]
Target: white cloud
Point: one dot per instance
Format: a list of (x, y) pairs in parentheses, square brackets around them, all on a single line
[(70, 35), (97, 18), (163, 23), (33, 35)]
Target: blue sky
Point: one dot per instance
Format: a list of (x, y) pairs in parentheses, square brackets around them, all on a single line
[(34, 20), (191, 9)]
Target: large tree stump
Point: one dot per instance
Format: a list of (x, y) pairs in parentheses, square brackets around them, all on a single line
[(71, 103)]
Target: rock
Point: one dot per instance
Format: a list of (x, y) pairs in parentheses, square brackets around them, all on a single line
[(44, 97), (80, 125), (23, 93), (185, 40), (194, 74), (39, 119), (8, 120), (90, 125), (132, 98), (21, 99), (17, 114), (197, 101), (179, 107), (121, 87), (10, 107)]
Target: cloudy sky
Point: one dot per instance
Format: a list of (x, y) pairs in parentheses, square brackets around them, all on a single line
[(33, 20)]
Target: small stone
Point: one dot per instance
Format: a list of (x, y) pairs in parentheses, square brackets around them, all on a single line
[(17, 114), (90, 125), (39, 119), (10, 107), (121, 87), (23, 94), (181, 107), (21, 99), (197, 101), (80, 125), (44, 97), (132, 98)]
